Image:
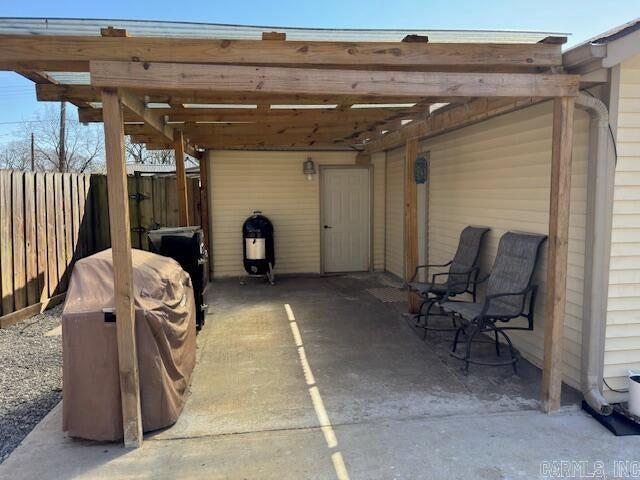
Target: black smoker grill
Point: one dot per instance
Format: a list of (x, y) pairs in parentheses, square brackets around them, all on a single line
[(259, 256), (186, 246)]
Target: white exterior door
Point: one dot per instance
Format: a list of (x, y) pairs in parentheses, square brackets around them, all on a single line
[(346, 216)]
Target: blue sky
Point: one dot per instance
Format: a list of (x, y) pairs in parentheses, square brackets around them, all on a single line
[(581, 18)]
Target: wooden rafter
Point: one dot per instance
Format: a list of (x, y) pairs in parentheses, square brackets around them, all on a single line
[(257, 142), (156, 121), (88, 93), (73, 53), (448, 119), (270, 116), (308, 81), (394, 123)]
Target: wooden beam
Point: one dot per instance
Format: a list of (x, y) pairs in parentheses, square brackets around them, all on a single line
[(113, 32), (556, 285), (410, 219), (277, 80), (255, 143), (204, 199), (447, 119), (122, 268), (274, 36), (27, 312), (147, 115), (181, 180), (554, 40), (419, 111), (297, 117), (88, 93), (73, 53), (416, 39), (42, 79), (203, 134)]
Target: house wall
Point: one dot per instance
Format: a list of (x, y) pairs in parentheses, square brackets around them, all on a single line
[(378, 161), (622, 345), (497, 173), (394, 207), (243, 181)]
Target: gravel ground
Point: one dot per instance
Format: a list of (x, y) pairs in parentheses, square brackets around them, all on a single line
[(30, 376)]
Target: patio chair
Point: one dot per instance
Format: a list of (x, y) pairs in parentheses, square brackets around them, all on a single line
[(509, 295), (459, 279)]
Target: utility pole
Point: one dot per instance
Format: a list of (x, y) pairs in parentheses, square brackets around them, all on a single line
[(33, 153), (63, 120)]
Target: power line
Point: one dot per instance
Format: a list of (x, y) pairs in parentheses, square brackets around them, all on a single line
[(22, 122)]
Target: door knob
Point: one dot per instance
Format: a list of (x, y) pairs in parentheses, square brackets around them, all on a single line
[(327, 226)]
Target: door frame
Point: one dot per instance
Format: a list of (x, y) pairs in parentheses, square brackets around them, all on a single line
[(323, 168)]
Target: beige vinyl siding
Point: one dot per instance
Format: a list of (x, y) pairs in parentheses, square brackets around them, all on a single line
[(378, 162), (394, 205), (622, 345), (244, 181), (497, 173)]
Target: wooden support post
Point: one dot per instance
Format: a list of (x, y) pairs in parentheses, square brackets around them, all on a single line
[(410, 219), (181, 179), (558, 250), (204, 197), (122, 269)]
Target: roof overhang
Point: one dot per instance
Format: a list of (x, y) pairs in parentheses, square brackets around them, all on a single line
[(270, 87)]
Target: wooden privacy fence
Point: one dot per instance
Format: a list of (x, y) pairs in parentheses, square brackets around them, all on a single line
[(49, 220), (153, 203)]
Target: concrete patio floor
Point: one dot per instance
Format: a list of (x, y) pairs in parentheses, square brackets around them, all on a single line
[(316, 378)]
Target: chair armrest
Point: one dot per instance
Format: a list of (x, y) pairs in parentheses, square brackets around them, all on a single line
[(522, 293), (415, 274)]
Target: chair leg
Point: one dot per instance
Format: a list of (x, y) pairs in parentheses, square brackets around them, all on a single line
[(456, 337), (426, 318), (467, 356), (495, 332), (419, 314)]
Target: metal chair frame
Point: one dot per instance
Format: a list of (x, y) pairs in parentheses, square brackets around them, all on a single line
[(432, 301), (487, 322)]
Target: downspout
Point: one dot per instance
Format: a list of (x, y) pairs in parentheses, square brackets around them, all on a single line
[(600, 183)]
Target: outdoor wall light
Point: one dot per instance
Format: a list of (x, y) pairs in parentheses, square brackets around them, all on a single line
[(309, 168)]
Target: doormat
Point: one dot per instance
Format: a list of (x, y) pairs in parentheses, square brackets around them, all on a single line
[(388, 294)]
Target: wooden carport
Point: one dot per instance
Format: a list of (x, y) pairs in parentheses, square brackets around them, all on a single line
[(323, 83)]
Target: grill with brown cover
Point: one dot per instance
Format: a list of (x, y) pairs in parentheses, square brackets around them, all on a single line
[(165, 341)]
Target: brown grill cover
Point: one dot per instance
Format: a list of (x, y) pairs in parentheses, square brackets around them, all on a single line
[(165, 342)]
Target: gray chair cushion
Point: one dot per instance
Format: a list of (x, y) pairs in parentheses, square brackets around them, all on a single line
[(511, 272), (513, 268), (470, 310), (465, 258)]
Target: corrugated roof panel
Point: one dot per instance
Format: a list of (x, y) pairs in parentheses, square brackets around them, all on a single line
[(147, 28)]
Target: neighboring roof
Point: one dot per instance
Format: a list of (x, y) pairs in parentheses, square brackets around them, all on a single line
[(150, 169), (613, 34), (604, 50), (149, 28)]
